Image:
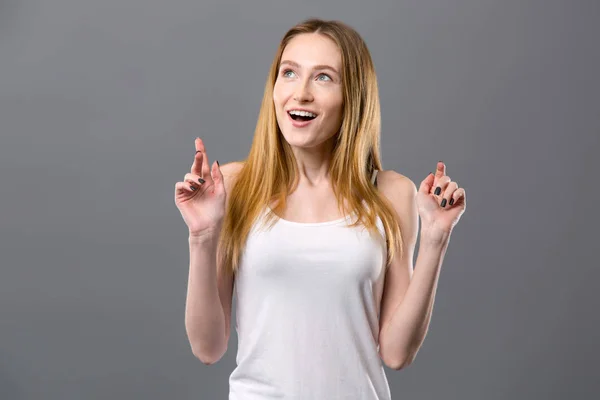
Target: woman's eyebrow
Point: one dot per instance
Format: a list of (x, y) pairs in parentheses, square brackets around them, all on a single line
[(321, 66)]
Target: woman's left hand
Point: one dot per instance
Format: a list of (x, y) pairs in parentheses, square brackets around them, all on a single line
[(440, 203)]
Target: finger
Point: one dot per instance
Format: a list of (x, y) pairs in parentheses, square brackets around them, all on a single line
[(205, 167), (441, 169), (440, 185), (183, 187), (448, 191), (193, 184), (458, 197), (196, 179), (427, 183), (217, 177), (197, 165), (196, 182)]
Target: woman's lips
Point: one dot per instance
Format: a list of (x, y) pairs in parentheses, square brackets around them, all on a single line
[(300, 124)]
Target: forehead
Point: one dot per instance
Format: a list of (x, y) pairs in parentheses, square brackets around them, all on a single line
[(309, 49)]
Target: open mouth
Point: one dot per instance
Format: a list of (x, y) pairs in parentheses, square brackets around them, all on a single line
[(301, 118)]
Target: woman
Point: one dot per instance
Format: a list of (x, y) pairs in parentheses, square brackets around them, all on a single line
[(317, 238)]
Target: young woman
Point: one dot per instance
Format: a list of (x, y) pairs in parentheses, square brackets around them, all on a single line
[(318, 239)]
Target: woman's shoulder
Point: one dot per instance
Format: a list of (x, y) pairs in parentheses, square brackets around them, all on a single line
[(392, 182), (230, 172), (232, 168)]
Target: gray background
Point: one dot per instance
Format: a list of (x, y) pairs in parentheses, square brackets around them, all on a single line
[(100, 102)]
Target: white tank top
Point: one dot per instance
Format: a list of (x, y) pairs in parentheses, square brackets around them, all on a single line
[(307, 313)]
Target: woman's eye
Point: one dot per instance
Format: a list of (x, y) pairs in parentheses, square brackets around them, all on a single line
[(285, 73)]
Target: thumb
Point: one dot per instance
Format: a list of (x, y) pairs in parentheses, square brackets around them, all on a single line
[(217, 176), (427, 183)]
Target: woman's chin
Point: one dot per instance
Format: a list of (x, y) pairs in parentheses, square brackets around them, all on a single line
[(304, 141), (298, 140)]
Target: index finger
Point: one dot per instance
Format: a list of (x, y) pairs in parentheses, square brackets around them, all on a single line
[(441, 169), (197, 165)]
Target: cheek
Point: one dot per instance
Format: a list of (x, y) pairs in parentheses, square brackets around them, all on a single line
[(336, 116), (276, 91), (279, 92), (336, 110), (335, 102), (278, 103)]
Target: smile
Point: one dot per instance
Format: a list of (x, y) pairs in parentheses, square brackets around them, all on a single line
[(302, 120)]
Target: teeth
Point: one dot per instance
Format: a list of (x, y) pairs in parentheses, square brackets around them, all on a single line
[(303, 113)]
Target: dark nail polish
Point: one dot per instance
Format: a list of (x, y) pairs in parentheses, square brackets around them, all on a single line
[(451, 201), (443, 203), (218, 163), (201, 180), (438, 190), (192, 187)]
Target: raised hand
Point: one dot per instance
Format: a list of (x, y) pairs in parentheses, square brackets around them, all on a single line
[(201, 196), (440, 203)]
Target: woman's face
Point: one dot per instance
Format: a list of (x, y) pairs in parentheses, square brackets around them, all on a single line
[(309, 78)]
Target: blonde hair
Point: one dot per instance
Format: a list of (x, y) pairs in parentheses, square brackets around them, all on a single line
[(270, 171)]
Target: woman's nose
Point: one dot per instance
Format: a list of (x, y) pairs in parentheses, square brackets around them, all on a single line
[(302, 92)]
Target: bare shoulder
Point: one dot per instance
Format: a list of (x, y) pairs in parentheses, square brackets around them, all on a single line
[(231, 168), (394, 184), (230, 172)]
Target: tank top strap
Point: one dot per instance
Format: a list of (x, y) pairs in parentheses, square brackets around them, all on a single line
[(374, 177)]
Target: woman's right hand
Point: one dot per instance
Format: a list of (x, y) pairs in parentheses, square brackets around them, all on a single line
[(202, 205)]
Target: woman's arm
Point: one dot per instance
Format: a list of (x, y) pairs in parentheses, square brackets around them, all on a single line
[(209, 295), (204, 314)]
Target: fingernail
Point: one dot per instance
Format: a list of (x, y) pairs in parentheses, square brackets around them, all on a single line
[(451, 201), (443, 203), (192, 187), (201, 180), (438, 190), (218, 163)]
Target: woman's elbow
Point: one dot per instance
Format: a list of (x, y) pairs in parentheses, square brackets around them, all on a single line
[(208, 357)]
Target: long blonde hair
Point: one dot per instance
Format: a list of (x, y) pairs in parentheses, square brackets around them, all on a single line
[(270, 171)]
